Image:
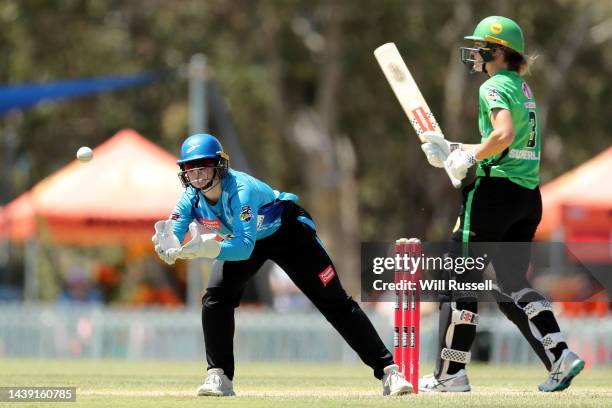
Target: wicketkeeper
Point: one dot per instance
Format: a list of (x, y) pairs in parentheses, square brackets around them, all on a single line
[(503, 204), (241, 222)]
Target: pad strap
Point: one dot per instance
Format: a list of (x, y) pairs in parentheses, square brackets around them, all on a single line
[(552, 339), (532, 309), (456, 355)]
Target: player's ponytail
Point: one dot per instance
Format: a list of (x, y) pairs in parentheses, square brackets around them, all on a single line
[(517, 62)]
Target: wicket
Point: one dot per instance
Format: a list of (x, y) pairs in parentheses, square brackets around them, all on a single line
[(407, 315)]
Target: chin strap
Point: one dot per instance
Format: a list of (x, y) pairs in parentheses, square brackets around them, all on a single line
[(211, 184)]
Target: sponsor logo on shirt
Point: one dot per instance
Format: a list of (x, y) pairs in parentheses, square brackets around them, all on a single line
[(175, 216), (523, 154), (327, 275), (246, 213), (529, 105), (210, 224)]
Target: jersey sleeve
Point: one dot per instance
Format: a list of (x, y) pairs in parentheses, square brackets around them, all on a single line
[(244, 209), (182, 215), (492, 97)]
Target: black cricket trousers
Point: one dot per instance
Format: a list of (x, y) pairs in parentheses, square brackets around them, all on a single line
[(296, 248)]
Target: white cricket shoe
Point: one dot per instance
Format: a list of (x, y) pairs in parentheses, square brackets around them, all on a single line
[(457, 382), (562, 372), (216, 384), (394, 382)]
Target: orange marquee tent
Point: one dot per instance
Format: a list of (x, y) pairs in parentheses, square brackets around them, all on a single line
[(578, 205), (113, 199), (578, 209)]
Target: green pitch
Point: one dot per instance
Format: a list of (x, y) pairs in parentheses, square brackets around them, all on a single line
[(153, 384)]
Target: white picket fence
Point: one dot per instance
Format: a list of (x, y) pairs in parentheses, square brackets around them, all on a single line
[(43, 331)]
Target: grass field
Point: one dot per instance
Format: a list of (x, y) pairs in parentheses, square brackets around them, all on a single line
[(153, 384)]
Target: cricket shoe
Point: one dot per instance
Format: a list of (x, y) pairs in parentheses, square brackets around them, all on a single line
[(457, 382), (394, 382), (563, 372), (216, 384)]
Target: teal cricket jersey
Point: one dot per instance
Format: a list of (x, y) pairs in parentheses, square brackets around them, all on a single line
[(248, 210)]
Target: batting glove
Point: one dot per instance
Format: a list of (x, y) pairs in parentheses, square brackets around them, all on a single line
[(436, 148), (459, 162)]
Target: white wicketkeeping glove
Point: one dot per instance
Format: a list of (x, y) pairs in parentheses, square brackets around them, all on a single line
[(459, 162), (437, 148), (200, 246), (165, 242)]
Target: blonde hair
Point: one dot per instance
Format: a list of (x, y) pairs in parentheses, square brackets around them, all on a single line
[(518, 62)]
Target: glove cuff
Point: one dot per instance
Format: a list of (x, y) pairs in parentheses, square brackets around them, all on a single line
[(471, 157), (212, 248)]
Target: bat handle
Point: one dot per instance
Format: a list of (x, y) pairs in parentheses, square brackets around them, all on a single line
[(456, 182)]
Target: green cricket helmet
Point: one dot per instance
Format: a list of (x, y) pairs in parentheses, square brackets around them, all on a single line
[(499, 30), (494, 31)]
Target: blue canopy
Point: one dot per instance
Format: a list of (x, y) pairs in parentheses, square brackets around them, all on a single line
[(24, 96)]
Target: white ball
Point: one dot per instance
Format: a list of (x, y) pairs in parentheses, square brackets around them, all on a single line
[(84, 154)]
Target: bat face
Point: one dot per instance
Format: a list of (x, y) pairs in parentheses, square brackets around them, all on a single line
[(396, 72), (405, 89), (408, 94)]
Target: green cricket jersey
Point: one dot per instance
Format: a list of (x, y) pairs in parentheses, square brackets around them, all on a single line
[(521, 162)]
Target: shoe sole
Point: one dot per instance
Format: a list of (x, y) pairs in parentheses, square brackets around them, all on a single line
[(212, 394), (402, 391), (435, 390), (567, 381)]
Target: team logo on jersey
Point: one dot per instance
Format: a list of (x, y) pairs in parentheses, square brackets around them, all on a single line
[(327, 275), (175, 216), (246, 213), (527, 91), (493, 95), (210, 224)]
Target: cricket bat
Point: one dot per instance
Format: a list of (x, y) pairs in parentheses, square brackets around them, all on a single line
[(408, 94)]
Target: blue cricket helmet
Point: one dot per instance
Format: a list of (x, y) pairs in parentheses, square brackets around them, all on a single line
[(201, 146)]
